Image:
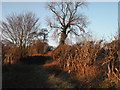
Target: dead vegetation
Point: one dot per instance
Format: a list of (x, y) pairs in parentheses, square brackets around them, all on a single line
[(93, 62), (29, 62)]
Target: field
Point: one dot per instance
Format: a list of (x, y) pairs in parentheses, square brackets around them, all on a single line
[(60, 45), (65, 68)]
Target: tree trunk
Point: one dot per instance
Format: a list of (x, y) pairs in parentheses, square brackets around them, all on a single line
[(63, 37)]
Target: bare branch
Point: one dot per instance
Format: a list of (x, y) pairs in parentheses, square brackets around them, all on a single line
[(66, 16), (20, 29)]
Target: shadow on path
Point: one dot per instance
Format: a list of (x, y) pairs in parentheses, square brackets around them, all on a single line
[(38, 60), (32, 73)]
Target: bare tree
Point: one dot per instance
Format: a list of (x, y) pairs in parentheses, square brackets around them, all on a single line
[(43, 34), (67, 19), (19, 30)]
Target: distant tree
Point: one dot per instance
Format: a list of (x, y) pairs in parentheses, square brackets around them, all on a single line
[(67, 19), (20, 30), (43, 34)]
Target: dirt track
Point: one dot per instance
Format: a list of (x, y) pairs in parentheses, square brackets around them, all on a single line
[(36, 75)]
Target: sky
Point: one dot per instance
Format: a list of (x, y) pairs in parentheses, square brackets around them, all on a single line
[(103, 16)]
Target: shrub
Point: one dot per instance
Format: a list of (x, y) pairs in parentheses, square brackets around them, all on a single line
[(39, 47), (13, 54)]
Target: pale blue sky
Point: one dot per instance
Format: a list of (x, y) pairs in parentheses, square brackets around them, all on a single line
[(103, 16)]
